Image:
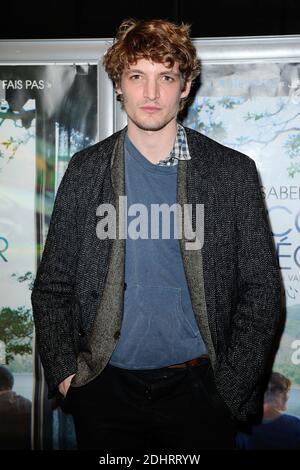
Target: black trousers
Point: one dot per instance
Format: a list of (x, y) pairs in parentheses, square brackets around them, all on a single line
[(164, 409)]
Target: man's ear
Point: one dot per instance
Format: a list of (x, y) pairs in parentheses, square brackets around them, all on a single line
[(118, 88), (186, 90)]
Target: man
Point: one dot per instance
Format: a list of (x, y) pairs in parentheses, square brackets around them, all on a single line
[(15, 415), (157, 336)]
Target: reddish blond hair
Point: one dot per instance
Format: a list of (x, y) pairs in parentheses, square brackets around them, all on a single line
[(156, 40)]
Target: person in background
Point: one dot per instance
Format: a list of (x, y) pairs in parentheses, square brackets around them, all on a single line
[(278, 429), (15, 415)]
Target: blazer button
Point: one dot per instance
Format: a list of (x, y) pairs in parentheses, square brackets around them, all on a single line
[(125, 285), (117, 334), (81, 332)]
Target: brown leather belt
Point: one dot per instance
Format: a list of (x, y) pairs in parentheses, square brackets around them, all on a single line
[(191, 362)]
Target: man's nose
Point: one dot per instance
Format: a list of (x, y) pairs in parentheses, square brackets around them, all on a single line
[(151, 90)]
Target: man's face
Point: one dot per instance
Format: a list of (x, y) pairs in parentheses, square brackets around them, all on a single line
[(151, 94), (283, 398)]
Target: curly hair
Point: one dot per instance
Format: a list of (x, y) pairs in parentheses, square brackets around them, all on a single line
[(156, 40)]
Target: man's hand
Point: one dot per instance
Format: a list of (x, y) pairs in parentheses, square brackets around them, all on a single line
[(65, 384)]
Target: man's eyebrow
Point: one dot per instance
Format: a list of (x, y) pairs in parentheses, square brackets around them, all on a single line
[(170, 72), (133, 71)]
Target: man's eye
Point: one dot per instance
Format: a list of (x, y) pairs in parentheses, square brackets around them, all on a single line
[(135, 77), (167, 78)]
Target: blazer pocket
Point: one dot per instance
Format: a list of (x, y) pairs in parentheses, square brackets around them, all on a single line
[(78, 331), (215, 397)]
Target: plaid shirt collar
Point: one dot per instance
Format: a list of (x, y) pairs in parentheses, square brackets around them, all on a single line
[(180, 150)]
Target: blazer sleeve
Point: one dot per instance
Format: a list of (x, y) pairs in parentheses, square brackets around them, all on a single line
[(52, 293), (258, 315)]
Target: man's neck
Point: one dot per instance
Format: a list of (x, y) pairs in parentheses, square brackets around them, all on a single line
[(154, 145)]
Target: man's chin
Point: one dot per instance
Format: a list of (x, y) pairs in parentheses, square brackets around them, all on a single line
[(151, 126)]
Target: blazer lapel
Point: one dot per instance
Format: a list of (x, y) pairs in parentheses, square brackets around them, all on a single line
[(194, 187), (108, 319)]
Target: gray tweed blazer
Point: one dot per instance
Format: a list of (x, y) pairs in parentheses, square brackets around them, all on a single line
[(234, 280)]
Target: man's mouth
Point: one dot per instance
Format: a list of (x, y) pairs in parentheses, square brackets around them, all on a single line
[(150, 109)]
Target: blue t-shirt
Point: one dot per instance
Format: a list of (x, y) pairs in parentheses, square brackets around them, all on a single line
[(159, 327), (280, 433)]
